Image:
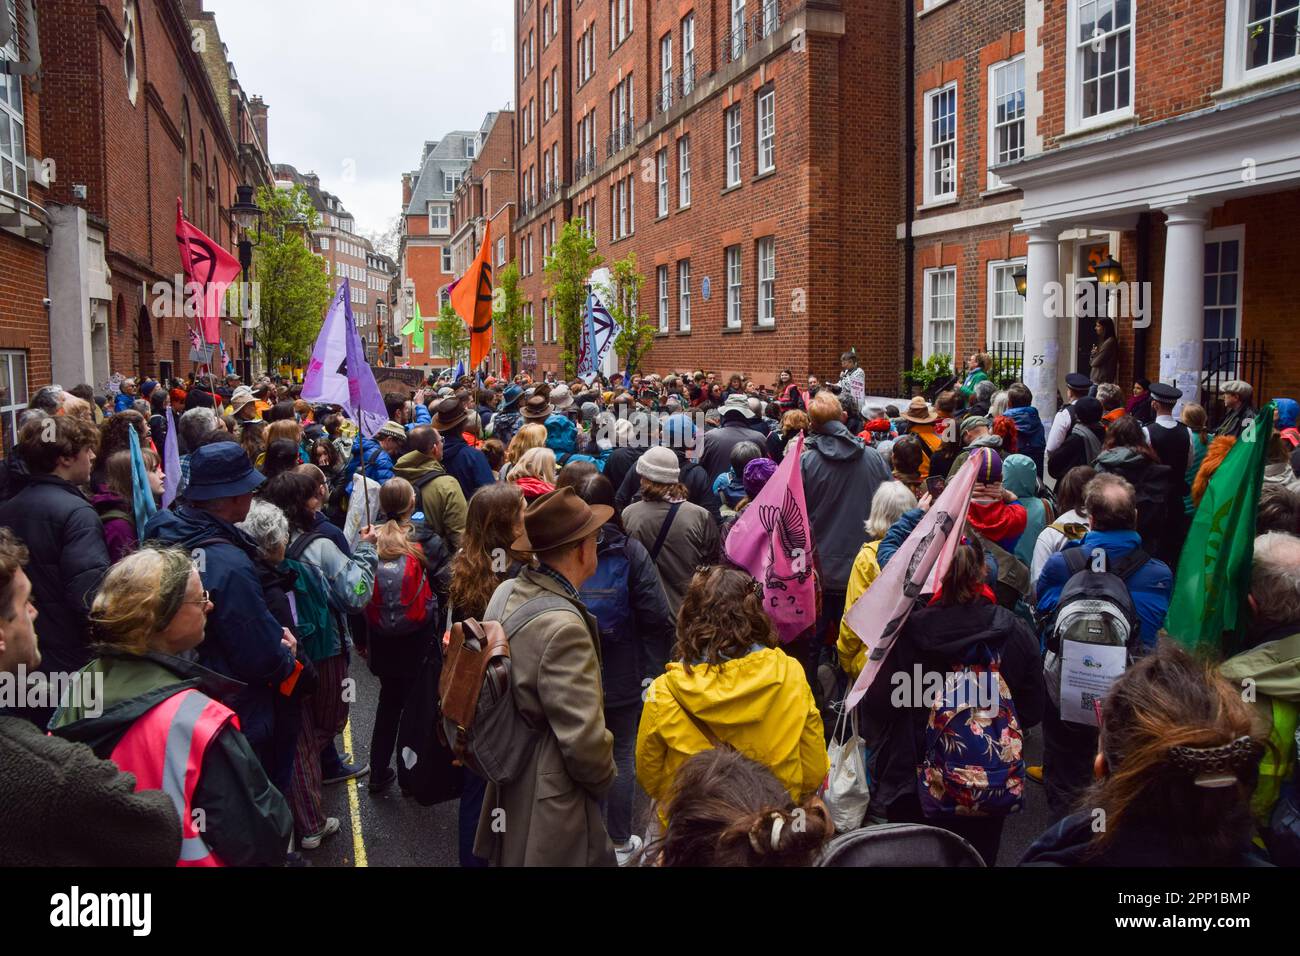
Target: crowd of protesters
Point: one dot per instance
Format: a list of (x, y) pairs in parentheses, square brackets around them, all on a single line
[(290, 547)]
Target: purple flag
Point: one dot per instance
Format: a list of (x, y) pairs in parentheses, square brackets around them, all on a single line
[(326, 381), (772, 540), (171, 461), (365, 403), (915, 569)]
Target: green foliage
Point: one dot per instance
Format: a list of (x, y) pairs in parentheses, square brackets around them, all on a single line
[(568, 267), (509, 323), (294, 290), (936, 368), (450, 337), (1005, 371), (621, 295)]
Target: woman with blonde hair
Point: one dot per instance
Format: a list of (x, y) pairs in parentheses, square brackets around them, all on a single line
[(530, 436), (116, 503), (287, 429), (534, 473), (1196, 420), (729, 683), (151, 610), (792, 423)]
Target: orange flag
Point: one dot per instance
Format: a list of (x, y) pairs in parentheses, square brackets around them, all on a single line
[(472, 300)]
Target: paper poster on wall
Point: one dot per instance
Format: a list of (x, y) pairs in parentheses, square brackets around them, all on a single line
[(1087, 671)]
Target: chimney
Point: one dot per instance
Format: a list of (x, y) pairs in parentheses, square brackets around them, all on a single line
[(406, 190), (257, 110)]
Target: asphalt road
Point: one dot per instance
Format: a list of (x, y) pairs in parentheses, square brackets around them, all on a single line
[(392, 830)]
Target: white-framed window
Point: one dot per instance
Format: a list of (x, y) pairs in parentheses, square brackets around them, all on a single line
[(1099, 70), (501, 252), (439, 216), (1006, 307), (688, 54), (555, 90), (766, 131), (446, 259), (666, 72), (325, 243), (471, 147), (684, 172), (450, 181), (737, 29), (13, 151), (733, 146), (13, 394), (941, 143), (620, 21), (661, 164), (1224, 249), (662, 273), (684, 294), (1260, 39), (546, 99), (733, 287), (940, 311), (1006, 114), (767, 280)]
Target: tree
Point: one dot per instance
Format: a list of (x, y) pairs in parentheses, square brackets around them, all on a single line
[(569, 266), (294, 291), (621, 295), (386, 241), (508, 321), (450, 337)]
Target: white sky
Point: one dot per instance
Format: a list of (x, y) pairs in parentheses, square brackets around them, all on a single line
[(355, 88)]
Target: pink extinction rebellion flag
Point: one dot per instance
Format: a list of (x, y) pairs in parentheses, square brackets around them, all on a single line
[(772, 540), (915, 569)]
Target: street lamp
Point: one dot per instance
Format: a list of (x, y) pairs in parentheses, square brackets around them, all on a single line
[(247, 214), (1109, 272), (1021, 278)]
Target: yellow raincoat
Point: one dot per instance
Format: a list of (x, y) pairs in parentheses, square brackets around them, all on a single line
[(760, 704), (866, 568)]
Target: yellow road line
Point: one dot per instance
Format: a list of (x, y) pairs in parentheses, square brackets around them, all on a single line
[(354, 806)]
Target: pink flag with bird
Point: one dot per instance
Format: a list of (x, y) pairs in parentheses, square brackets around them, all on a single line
[(208, 265), (772, 540), (915, 569)]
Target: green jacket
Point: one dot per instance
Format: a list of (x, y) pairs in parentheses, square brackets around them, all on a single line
[(247, 821), (1273, 667), (441, 497)]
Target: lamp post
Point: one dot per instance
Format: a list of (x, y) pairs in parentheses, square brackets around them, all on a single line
[(1021, 278), (1109, 275), (248, 215)]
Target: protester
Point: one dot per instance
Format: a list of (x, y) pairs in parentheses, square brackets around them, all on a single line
[(891, 501), (467, 465), (978, 366), (1019, 478), (730, 485), (116, 504), (678, 435), (507, 419), (1111, 397), (63, 805), (1279, 510), (678, 535), (1127, 453), (729, 683), (151, 610), (1175, 768), (1139, 404), (1071, 523), (737, 419), (442, 505), (1237, 396), (920, 420), (1195, 419), (905, 457), (627, 599), (534, 473), (553, 804), (960, 631), (562, 439), (793, 422), (63, 536)]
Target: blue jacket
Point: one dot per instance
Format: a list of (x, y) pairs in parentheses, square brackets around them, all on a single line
[(242, 639), (1149, 586), (562, 438), (379, 464), (1031, 439), (123, 402), (467, 465)]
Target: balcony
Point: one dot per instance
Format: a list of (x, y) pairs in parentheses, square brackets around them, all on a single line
[(751, 30), (584, 164), (619, 139), (551, 189), (526, 206)]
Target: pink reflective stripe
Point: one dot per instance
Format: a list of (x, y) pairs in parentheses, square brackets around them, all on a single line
[(165, 748)]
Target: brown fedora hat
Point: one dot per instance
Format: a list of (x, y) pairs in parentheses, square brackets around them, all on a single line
[(558, 518), (537, 408), (919, 411), (449, 414)]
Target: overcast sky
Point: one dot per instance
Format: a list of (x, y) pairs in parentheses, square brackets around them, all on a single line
[(355, 89)]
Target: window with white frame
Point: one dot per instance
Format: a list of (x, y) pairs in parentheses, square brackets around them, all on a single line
[(733, 287), (1006, 114), (1100, 69), (1006, 307), (688, 54), (940, 311), (450, 182), (941, 143), (13, 152), (766, 129), (661, 164), (1222, 306), (767, 281), (737, 29), (684, 172), (620, 21), (684, 295), (439, 216), (546, 99), (325, 243), (501, 252), (446, 259), (1262, 38), (662, 273), (733, 146), (666, 72), (555, 90)]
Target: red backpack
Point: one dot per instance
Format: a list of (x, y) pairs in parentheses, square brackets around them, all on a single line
[(402, 603)]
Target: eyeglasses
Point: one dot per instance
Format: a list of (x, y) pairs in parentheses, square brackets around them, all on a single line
[(204, 602)]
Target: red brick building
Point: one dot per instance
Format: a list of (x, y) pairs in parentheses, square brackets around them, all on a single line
[(745, 151)]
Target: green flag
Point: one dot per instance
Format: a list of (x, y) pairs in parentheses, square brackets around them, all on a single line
[(1207, 610), (416, 325)]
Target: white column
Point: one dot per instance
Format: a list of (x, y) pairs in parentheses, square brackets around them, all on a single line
[(1182, 309), (1043, 301)]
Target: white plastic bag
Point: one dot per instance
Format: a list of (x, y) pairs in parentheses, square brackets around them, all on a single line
[(845, 792)]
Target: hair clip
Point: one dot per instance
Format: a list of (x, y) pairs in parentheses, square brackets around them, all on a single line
[(1215, 767)]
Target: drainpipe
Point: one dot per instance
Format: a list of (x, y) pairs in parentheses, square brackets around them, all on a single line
[(909, 155)]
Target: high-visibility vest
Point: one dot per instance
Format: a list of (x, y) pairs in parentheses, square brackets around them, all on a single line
[(165, 748)]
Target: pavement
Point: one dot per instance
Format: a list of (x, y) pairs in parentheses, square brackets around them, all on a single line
[(390, 829)]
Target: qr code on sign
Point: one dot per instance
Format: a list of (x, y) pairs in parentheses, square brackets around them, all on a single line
[(1091, 700)]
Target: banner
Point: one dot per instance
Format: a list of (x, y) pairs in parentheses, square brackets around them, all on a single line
[(171, 455), (338, 373), (772, 540), (597, 337), (471, 297), (365, 403), (1207, 609), (208, 265), (915, 569)]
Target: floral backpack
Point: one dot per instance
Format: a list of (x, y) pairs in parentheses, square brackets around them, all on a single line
[(973, 763)]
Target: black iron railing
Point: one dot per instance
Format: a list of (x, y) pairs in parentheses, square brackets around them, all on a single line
[(584, 164), (1226, 360), (551, 189), (750, 30), (1008, 362), (619, 139), (686, 79)]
